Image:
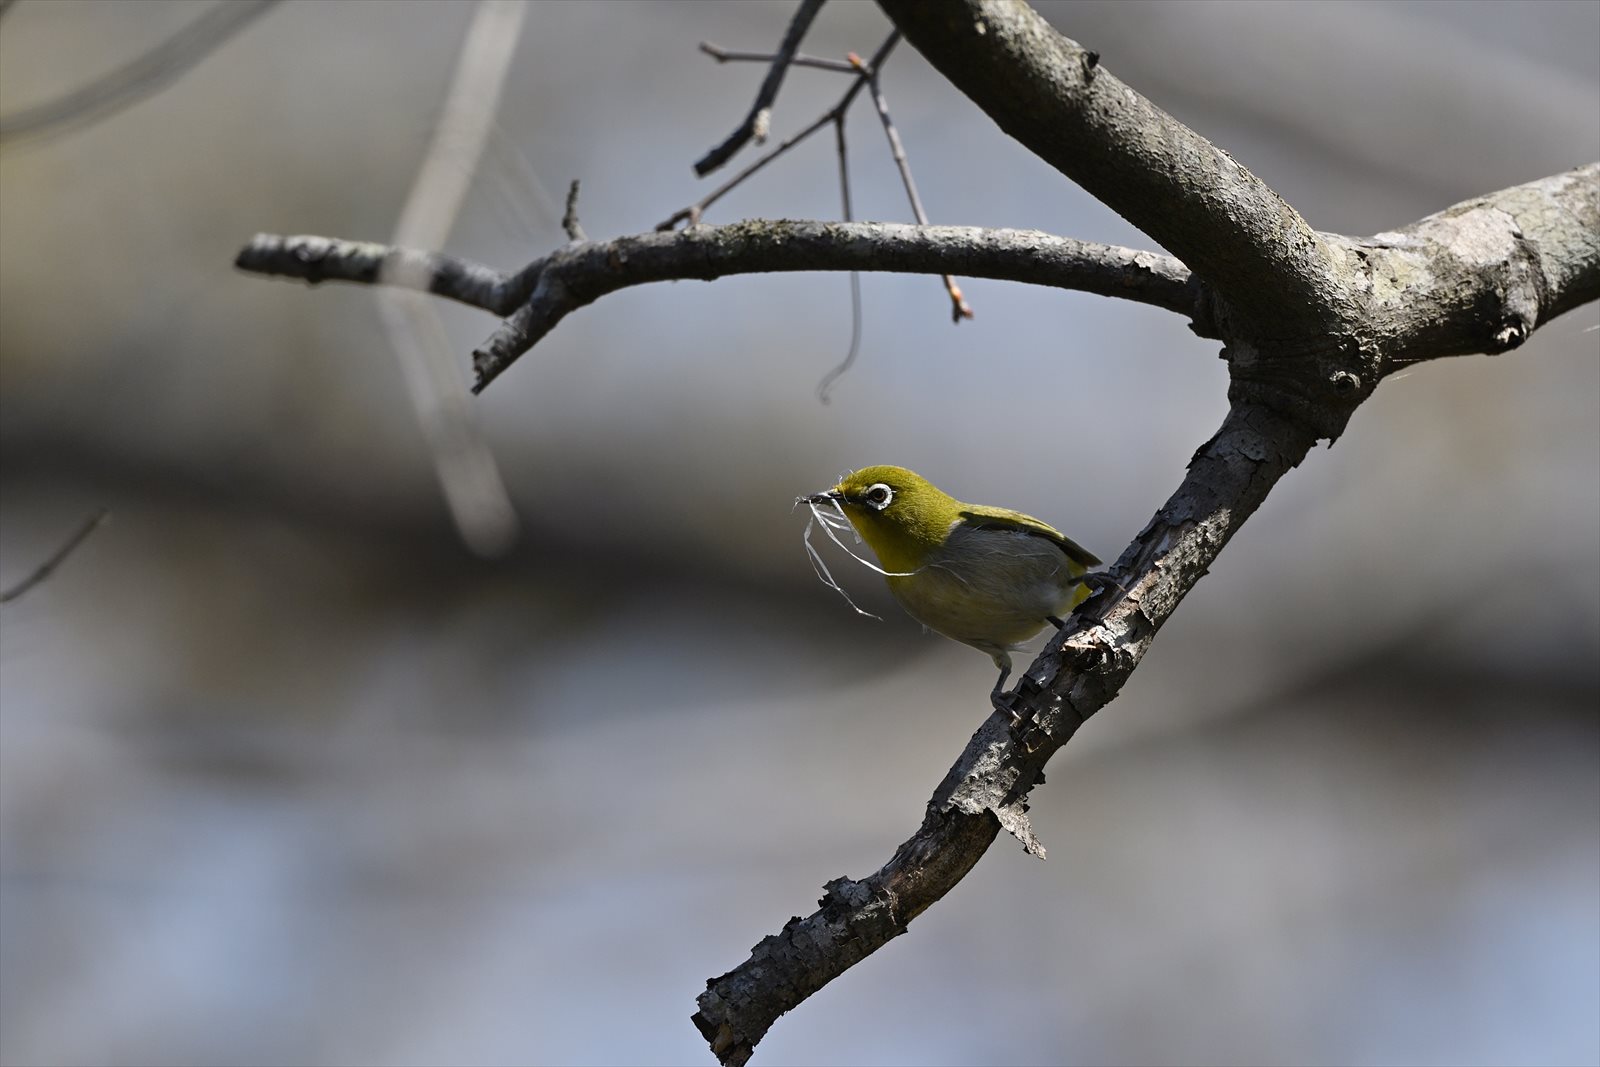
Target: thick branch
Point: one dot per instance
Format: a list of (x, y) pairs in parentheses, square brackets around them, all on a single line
[(1079, 673), (1483, 275), (1476, 277), (1186, 193), (547, 290)]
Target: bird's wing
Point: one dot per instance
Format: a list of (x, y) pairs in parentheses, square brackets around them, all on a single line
[(987, 518)]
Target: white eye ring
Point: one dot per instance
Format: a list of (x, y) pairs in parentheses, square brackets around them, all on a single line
[(878, 496)]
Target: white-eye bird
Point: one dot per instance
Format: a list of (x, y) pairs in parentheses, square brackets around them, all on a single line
[(987, 577)]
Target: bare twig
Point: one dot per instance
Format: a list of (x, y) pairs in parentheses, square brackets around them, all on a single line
[(799, 59), (692, 213), (569, 221), (756, 123), (958, 305), (855, 276), (142, 77), (45, 569)]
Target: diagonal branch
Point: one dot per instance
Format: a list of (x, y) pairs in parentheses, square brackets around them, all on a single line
[(986, 790), (1190, 196), (760, 117)]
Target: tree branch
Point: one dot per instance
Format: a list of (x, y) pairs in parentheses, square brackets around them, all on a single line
[(799, 59), (1193, 198), (756, 122), (547, 290), (469, 478), (1476, 277)]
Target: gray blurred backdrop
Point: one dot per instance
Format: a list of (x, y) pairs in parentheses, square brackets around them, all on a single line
[(289, 776)]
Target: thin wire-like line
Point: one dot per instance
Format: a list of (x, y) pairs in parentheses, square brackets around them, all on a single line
[(855, 276)]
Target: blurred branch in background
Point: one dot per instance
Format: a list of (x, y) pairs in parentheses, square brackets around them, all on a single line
[(144, 76), (477, 497), (68, 547)]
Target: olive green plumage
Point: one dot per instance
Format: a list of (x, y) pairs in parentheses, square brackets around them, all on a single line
[(985, 576)]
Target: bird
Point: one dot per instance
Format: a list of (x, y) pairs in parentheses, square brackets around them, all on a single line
[(987, 577)]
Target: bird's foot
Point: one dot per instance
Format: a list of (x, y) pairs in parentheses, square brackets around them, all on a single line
[(1017, 707), (1099, 580)]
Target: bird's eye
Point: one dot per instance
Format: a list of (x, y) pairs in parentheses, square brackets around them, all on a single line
[(879, 496)]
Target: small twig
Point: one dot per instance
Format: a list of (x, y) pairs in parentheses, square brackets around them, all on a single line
[(135, 80), (799, 59), (692, 213), (959, 308), (569, 221), (855, 276), (755, 124), (45, 569)]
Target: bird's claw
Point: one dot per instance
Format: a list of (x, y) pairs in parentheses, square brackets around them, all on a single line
[(1006, 704)]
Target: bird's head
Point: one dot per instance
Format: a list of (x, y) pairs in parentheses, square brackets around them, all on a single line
[(900, 514)]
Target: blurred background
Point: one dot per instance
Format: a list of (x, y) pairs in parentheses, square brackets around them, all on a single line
[(290, 775)]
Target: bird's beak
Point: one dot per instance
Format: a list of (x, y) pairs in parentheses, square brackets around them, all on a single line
[(829, 497)]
